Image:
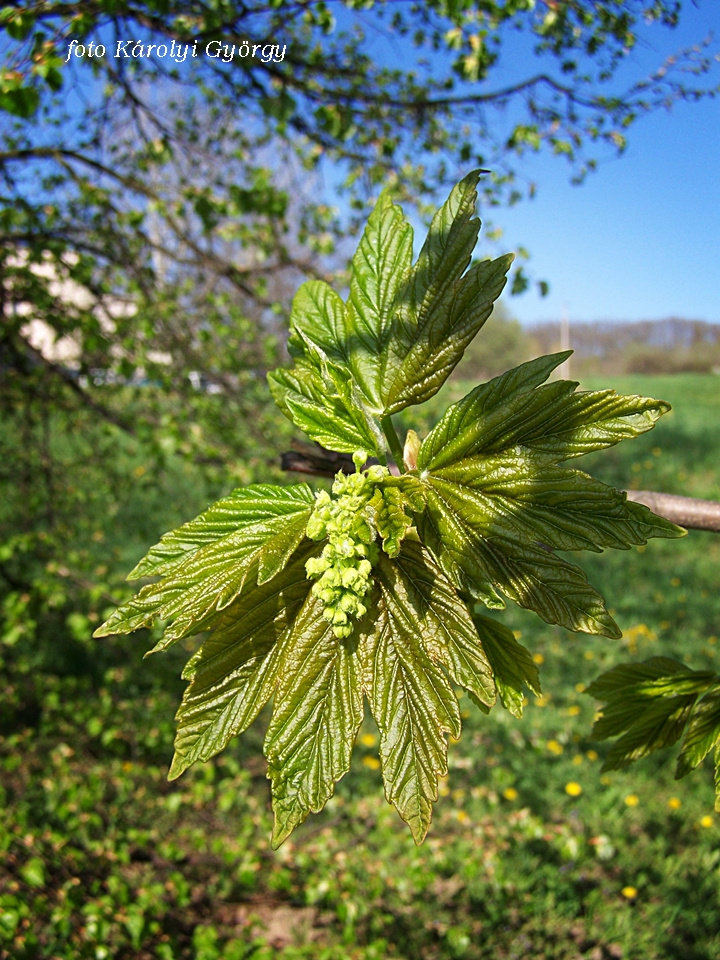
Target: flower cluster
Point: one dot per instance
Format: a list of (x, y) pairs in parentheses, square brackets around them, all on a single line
[(348, 557)]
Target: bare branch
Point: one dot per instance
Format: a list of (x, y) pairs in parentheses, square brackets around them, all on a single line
[(689, 512), (685, 511)]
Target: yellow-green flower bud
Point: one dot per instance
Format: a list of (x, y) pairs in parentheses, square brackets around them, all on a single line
[(347, 520)]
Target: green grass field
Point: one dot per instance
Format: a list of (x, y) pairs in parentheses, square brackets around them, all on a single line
[(532, 853)]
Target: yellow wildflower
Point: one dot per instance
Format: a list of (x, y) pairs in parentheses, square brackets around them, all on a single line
[(573, 789)]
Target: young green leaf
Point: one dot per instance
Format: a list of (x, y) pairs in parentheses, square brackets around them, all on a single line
[(433, 343), (318, 404), (415, 587), (512, 665), (403, 329), (441, 307), (257, 503), (379, 269), (514, 409), (485, 567), (234, 672), (702, 734), (649, 706), (628, 675), (318, 317), (524, 497), (498, 505), (413, 705), (316, 715), (660, 724), (199, 583)]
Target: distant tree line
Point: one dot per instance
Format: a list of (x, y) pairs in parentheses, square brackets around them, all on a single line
[(673, 345)]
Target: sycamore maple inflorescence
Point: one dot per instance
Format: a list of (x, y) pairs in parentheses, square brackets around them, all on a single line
[(365, 507), (345, 565)]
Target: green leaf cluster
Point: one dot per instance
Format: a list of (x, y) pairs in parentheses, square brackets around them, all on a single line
[(381, 592), (657, 704), (401, 332)]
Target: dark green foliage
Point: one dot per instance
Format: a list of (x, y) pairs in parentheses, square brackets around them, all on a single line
[(654, 704)]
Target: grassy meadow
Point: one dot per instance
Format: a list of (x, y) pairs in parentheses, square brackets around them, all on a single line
[(533, 852)]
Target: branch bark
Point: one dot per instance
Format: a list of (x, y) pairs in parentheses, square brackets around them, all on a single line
[(687, 512)]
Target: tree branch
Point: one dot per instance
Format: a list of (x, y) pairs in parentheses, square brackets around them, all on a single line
[(688, 512), (685, 511), (72, 383)]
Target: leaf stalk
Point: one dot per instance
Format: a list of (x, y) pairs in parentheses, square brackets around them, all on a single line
[(388, 429)]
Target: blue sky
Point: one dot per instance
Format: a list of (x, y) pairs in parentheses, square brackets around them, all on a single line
[(640, 239)]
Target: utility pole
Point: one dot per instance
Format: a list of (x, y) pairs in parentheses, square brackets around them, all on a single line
[(564, 368)]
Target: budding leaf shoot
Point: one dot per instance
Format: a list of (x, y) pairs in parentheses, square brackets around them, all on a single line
[(380, 590)]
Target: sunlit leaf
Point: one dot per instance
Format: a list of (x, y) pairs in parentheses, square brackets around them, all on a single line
[(403, 329), (512, 665), (234, 673), (316, 715), (649, 705), (518, 409), (487, 567), (379, 269), (199, 583), (315, 404), (442, 307), (412, 702), (498, 504), (702, 734), (376, 588), (415, 587), (253, 504)]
